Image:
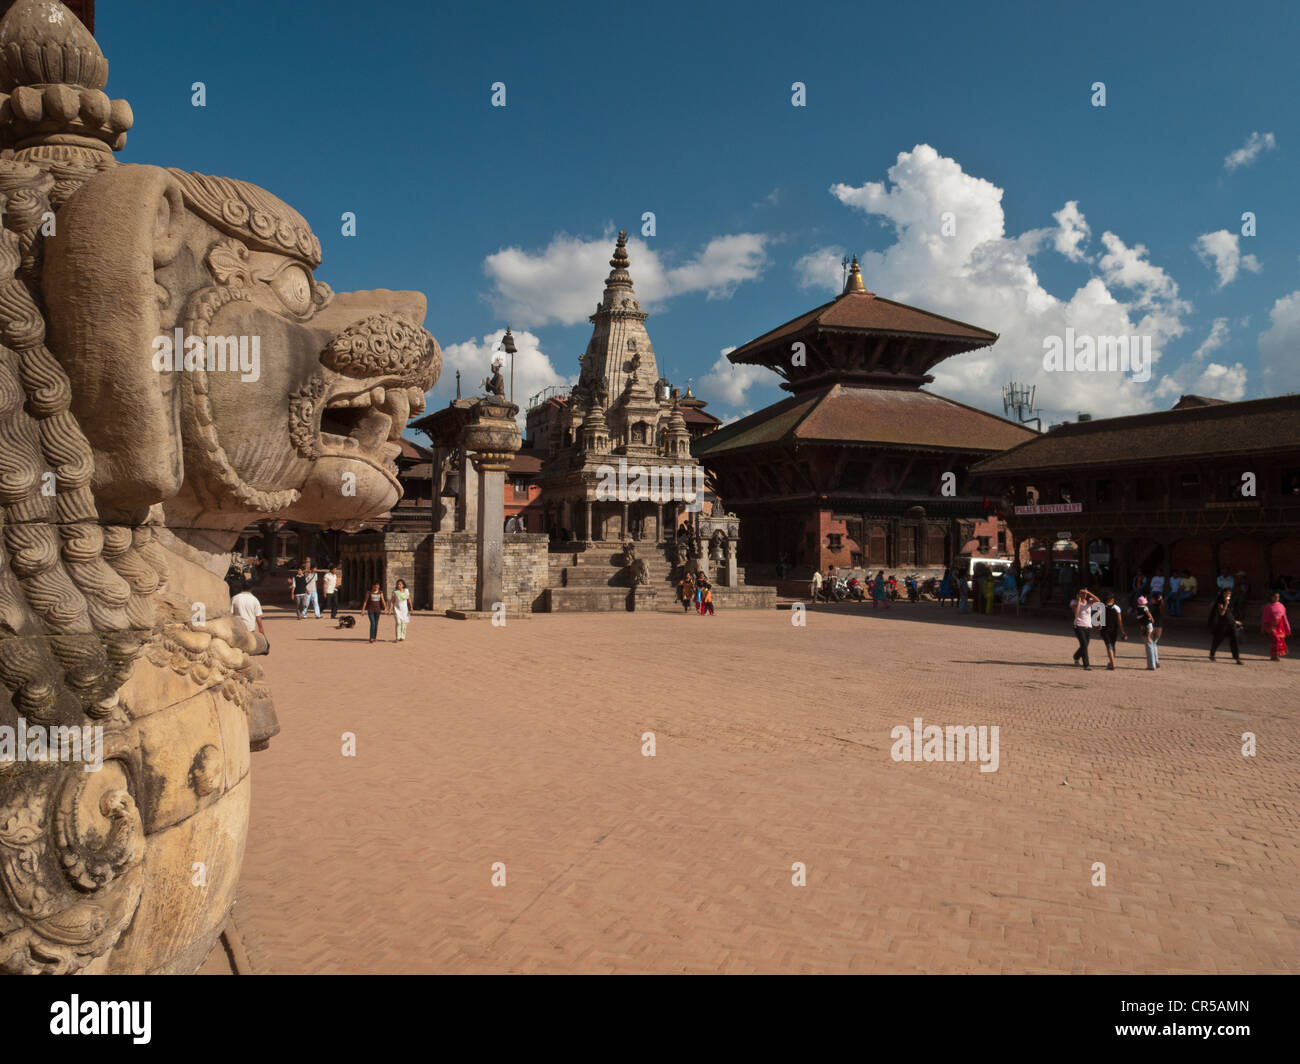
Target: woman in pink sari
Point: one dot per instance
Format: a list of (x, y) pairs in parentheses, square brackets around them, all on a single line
[(1275, 624)]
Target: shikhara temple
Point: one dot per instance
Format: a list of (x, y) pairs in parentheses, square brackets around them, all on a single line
[(850, 470), (621, 408)]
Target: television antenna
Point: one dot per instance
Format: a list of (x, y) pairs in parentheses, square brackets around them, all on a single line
[(1018, 399)]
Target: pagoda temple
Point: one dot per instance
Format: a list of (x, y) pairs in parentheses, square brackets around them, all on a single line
[(850, 470), (621, 413)]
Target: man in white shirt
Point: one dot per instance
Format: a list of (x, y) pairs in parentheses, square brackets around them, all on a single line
[(330, 585), (1158, 583), (248, 610)]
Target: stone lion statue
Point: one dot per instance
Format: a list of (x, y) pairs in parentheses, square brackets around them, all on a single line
[(636, 567), (170, 370)]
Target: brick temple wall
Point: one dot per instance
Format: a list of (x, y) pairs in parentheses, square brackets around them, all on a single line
[(527, 570), (452, 560), (451, 570)]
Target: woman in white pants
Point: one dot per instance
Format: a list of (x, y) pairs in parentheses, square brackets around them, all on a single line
[(401, 608)]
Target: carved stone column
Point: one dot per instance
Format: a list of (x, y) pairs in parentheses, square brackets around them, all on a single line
[(467, 502), (493, 437)]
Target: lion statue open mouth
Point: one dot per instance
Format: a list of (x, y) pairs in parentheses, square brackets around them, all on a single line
[(170, 369)]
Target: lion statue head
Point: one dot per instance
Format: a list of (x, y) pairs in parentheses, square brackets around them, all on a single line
[(170, 369)]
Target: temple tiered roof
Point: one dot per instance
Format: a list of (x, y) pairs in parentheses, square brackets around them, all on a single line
[(860, 337)]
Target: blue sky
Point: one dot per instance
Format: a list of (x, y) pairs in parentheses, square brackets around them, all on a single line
[(508, 213)]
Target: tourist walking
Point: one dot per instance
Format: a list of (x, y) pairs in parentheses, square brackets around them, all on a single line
[(1224, 625), (249, 611), (945, 588), (400, 607), (1112, 629), (878, 593), (331, 587), (375, 605), (313, 601), (989, 588), (816, 584), (963, 592), (298, 584), (686, 591), (706, 598), (1275, 626), (1147, 625), (1081, 604), (1157, 607)]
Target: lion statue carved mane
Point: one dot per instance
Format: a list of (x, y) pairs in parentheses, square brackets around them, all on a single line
[(138, 437)]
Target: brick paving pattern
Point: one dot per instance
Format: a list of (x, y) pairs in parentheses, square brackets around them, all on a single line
[(523, 745)]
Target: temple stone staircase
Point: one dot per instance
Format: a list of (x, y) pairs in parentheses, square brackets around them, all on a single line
[(595, 580)]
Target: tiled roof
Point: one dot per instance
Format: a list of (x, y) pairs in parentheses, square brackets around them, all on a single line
[(845, 413), (695, 416), (1184, 432), (413, 450), (524, 461), (865, 312)]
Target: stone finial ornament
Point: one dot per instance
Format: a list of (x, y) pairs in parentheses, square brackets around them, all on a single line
[(171, 369)]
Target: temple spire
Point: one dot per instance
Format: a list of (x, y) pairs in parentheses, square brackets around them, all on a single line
[(618, 276), (854, 283)]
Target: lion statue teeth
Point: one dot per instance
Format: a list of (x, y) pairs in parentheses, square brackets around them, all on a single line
[(170, 369)]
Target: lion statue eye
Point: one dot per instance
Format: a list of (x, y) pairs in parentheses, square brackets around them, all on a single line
[(293, 286)]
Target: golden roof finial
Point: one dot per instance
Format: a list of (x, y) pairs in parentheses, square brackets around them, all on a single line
[(855, 282)]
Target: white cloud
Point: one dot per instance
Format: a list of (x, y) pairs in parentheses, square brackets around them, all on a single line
[(1221, 252), (1216, 339), (1195, 377), (1072, 232), (533, 369), (1256, 144), (985, 276), (1279, 347), (731, 383), (821, 268), (563, 282)]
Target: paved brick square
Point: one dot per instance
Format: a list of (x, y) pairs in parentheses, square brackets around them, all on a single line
[(523, 745)]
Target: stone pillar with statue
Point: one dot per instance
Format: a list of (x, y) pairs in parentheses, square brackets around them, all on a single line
[(493, 438)]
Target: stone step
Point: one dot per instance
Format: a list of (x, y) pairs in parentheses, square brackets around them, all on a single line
[(597, 599), (729, 598)]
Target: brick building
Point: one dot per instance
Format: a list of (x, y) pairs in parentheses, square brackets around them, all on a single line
[(853, 469), (1206, 486)]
